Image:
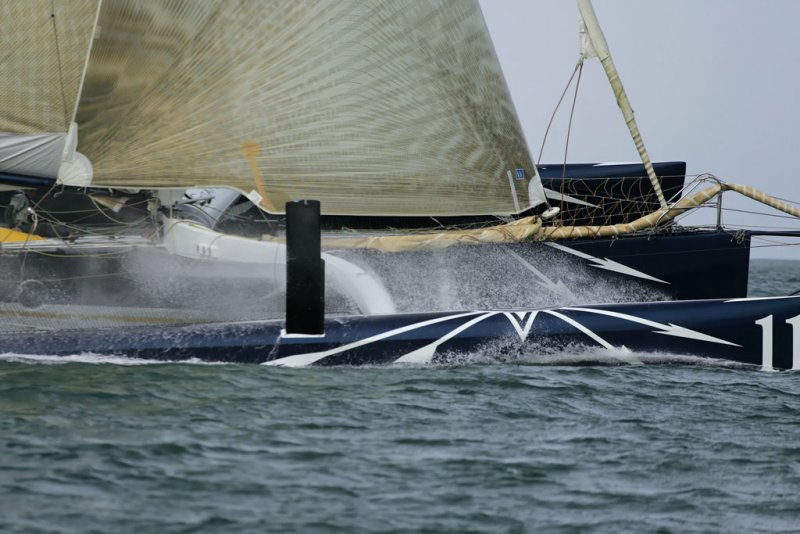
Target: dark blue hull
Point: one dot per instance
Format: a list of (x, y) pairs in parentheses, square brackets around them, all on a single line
[(675, 265), (679, 265), (687, 264), (594, 194), (671, 264), (757, 332)]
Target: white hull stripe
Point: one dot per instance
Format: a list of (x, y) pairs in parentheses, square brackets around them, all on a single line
[(605, 263), (666, 329), (516, 318), (426, 353), (556, 287), (582, 328), (555, 195), (301, 360), (748, 299), (618, 352)]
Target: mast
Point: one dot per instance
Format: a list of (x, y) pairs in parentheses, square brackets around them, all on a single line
[(593, 44)]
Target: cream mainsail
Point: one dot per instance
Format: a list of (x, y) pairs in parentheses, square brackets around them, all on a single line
[(386, 107), (44, 46)]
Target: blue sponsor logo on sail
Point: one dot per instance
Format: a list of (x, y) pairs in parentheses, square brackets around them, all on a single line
[(520, 174)]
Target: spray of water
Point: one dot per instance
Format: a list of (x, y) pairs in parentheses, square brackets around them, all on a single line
[(496, 277), (577, 355), (148, 286)]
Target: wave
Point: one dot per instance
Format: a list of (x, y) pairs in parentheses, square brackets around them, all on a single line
[(95, 359), (571, 356)]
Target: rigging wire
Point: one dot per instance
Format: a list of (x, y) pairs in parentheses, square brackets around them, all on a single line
[(571, 116), (773, 241), (26, 244), (58, 56), (558, 105)]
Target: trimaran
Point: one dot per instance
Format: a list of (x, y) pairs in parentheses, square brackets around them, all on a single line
[(147, 151)]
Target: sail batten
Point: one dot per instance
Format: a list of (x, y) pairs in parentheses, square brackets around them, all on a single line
[(392, 107)]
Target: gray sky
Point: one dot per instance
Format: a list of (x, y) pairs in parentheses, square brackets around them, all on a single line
[(714, 83)]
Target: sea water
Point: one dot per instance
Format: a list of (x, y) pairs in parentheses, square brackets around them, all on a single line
[(93, 444)]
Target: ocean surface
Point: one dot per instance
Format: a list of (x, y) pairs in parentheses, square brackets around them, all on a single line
[(110, 445)]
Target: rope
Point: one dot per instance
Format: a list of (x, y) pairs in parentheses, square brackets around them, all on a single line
[(553, 116), (530, 228), (571, 116), (760, 196), (643, 223), (520, 230), (58, 55), (666, 214)]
